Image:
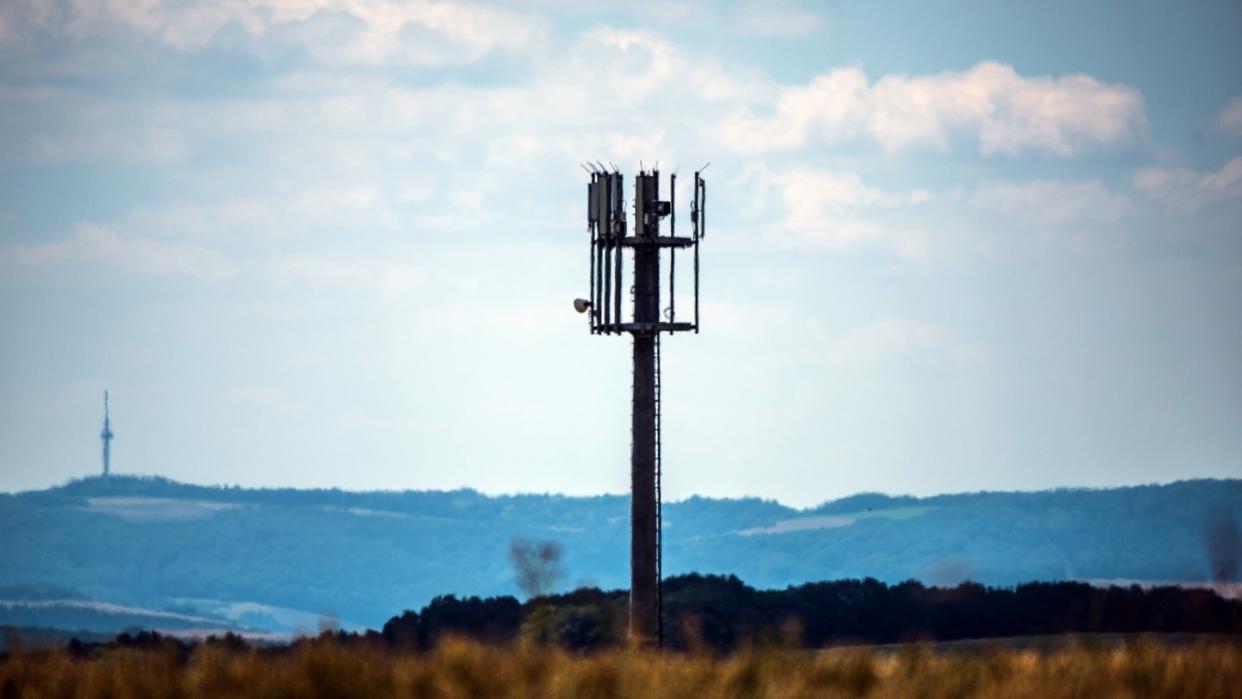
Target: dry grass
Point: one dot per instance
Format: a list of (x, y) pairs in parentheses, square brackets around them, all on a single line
[(325, 668)]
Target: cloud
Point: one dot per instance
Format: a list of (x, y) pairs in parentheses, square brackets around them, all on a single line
[(156, 144), (1190, 190), (341, 208), (837, 212), (607, 94), (815, 199), (1230, 118), (832, 107), (357, 32), (828, 210), (95, 245), (1001, 219), (777, 20), (838, 188), (1006, 113), (58, 124), (345, 151), (1052, 202), (890, 339)]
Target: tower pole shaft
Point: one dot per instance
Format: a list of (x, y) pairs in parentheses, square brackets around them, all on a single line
[(644, 585), (106, 436)]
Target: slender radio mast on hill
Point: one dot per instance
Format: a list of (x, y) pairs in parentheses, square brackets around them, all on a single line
[(106, 436), (607, 227)]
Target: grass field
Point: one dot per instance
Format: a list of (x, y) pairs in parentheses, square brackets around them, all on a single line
[(326, 668)]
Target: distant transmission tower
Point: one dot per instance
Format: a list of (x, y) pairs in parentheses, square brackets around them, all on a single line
[(106, 436), (606, 224)]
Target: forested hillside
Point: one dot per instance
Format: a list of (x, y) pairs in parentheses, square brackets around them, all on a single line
[(279, 559)]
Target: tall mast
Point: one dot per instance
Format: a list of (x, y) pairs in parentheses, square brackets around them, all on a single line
[(606, 224), (106, 436)]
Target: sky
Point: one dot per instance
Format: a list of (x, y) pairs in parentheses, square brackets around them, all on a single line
[(953, 246)]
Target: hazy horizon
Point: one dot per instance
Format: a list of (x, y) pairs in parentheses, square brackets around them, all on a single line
[(624, 494), (322, 244)]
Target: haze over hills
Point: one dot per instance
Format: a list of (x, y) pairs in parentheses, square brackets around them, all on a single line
[(107, 553)]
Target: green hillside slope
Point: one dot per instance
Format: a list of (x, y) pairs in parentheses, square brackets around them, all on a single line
[(266, 556)]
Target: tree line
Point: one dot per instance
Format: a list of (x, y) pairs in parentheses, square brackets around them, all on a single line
[(722, 613)]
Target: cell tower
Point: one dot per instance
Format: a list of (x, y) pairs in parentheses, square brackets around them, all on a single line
[(606, 223), (106, 436)]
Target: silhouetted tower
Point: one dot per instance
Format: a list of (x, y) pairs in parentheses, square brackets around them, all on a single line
[(606, 222), (106, 436)]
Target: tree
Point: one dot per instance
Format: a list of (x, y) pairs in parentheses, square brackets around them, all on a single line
[(536, 566), (1223, 543)]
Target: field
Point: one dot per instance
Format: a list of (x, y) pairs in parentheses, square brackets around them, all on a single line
[(325, 667)]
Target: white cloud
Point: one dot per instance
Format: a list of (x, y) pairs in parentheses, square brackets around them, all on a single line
[(815, 199), (778, 20), (1052, 202), (837, 212), (367, 32), (1230, 119), (351, 152), (852, 235), (889, 339), (816, 188), (832, 107), (1005, 112), (631, 65), (607, 95), (158, 144), (1190, 190), (828, 210), (427, 33), (921, 196), (343, 209), (95, 245)]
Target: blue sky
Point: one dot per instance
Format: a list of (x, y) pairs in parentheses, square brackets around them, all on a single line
[(955, 247)]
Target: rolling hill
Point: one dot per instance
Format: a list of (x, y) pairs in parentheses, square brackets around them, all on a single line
[(282, 560)]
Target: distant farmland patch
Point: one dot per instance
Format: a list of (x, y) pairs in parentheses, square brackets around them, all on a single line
[(798, 524), (142, 509)]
